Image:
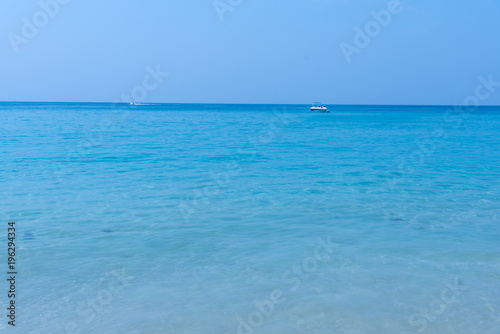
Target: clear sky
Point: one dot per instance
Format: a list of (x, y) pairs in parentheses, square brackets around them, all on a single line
[(262, 51)]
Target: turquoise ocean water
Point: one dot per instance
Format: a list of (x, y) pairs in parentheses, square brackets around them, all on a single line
[(251, 218)]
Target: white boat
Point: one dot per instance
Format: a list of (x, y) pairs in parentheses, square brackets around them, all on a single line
[(319, 107)]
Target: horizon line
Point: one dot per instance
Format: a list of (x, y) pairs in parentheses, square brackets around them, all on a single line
[(239, 103)]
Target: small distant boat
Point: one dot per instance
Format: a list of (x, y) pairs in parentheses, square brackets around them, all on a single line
[(319, 107), (134, 103)]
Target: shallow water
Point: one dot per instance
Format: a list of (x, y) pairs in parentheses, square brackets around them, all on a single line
[(252, 218)]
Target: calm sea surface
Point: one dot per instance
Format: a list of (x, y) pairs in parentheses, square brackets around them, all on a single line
[(251, 218)]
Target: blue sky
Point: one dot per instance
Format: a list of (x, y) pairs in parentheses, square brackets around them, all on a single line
[(431, 52)]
